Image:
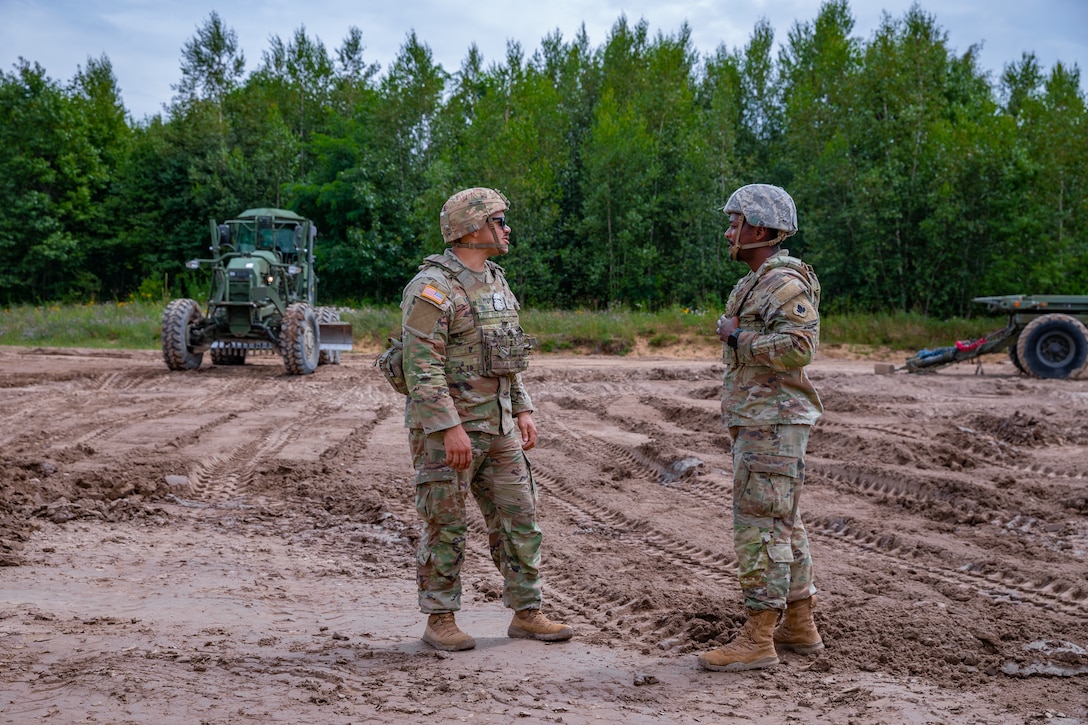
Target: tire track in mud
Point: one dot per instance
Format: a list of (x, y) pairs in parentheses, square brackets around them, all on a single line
[(592, 603), (610, 611), (983, 451), (635, 617), (885, 484), (981, 579), (925, 491), (985, 580), (580, 603), (91, 427), (112, 381), (900, 487), (695, 418), (222, 479)]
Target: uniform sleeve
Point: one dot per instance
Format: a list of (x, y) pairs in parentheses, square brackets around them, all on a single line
[(425, 319), (520, 402), (792, 322)]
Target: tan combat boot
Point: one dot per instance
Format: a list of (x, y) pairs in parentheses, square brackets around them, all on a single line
[(797, 632), (751, 649), (531, 624), (442, 633)]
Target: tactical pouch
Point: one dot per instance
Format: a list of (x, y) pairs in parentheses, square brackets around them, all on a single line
[(506, 351), (391, 363)]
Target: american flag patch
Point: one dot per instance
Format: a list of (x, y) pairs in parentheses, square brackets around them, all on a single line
[(433, 294)]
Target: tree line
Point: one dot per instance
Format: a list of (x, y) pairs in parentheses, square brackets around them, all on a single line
[(920, 181)]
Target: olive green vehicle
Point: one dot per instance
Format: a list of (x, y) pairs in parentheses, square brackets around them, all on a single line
[(1045, 337), (261, 299)]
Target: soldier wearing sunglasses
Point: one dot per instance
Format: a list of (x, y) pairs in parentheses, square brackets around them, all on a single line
[(470, 421)]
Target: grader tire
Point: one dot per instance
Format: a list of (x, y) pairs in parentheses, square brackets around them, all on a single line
[(328, 357), (298, 339), (177, 319)]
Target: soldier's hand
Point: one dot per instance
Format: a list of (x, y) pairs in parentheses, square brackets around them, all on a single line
[(726, 325), (458, 448), (527, 426)]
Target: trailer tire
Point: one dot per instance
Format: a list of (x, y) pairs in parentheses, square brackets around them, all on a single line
[(177, 319), (1015, 359), (1053, 346)]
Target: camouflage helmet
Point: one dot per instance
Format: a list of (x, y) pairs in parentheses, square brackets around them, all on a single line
[(764, 205), (467, 211)]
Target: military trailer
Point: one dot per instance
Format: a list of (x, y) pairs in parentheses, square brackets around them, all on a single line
[(1045, 337), (261, 299)]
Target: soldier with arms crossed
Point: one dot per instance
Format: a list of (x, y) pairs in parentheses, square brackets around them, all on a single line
[(470, 421), (771, 328)]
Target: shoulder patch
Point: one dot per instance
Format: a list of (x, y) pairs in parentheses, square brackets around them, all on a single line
[(434, 295), (787, 291), (800, 310), (422, 319)]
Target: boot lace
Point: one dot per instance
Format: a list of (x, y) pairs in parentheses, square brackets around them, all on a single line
[(444, 625)]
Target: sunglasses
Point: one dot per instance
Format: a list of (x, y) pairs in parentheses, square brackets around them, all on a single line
[(500, 220)]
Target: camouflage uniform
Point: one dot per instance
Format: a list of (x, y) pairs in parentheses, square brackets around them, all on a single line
[(455, 375), (770, 405)]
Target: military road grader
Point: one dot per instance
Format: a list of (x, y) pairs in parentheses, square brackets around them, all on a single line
[(261, 299), (1045, 337)]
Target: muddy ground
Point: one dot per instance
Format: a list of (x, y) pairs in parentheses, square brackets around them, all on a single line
[(234, 545)]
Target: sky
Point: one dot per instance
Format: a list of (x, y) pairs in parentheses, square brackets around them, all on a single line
[(143, 38)]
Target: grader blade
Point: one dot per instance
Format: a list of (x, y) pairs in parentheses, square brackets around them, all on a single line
[(335, 336)]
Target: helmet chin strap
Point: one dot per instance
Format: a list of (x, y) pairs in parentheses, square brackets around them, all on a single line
[(734, 249), (496, 244), (769, 243)]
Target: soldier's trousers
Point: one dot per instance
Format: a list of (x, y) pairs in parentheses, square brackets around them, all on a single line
[(501, 481), (775, 565)]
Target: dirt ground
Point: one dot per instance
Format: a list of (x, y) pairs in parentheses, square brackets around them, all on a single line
[(234, 545)]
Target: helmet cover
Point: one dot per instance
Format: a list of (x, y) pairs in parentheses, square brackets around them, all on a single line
[(468, 211), (764, 205)]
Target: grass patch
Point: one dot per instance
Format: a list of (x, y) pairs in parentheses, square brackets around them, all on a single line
[(371, 327), (903, 331), (136, 325), (117, 325)]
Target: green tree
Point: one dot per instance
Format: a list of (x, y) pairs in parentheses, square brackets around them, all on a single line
[(299, 78), (917, 187), (619, 175), (1060, 141), (370, 181), (819, 65), (353, 76), (51, 176), (211, 63), (96, 99), (719, 126), (897, 205)]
